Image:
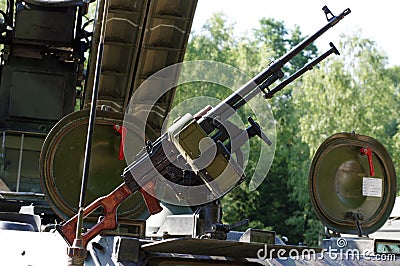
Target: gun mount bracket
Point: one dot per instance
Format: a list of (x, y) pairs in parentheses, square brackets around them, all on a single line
[(265, 86), (355, 217)]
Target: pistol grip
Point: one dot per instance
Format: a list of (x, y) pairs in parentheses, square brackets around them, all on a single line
[(151, 202)]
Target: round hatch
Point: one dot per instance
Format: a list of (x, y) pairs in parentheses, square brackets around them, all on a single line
[(352, 184), (62, 157)]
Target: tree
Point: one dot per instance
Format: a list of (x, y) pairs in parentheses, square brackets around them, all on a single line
[(216, 41), (349, 93)]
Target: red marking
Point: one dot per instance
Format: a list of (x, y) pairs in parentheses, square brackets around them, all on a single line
[(122, 131), (368, 152)]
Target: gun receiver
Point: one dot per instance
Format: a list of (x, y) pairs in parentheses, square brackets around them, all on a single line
[(153, 161)]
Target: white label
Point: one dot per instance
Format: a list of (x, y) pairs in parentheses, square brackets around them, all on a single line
[(372, 187)]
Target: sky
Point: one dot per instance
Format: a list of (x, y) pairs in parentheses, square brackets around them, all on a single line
[(375, 20)]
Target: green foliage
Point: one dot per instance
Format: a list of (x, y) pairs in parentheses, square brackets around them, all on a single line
[(355, 91), (216, 43), (3, 5), (394, 74), (350, 93)]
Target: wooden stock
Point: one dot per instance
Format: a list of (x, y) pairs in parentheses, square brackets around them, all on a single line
[(109, 203)]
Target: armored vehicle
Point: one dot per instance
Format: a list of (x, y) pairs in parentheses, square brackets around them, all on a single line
[(65, 89)]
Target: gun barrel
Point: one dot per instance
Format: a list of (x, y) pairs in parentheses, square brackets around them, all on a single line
[(302, 45), (301, 71), (227, 108)]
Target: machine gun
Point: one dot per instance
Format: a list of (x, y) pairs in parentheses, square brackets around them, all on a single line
[(199, 143)]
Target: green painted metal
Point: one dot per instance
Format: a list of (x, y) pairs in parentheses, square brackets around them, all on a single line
[(336, 183), (19, 161), (62, 157)]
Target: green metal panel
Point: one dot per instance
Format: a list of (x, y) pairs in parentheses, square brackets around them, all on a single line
[(35, 93), (144, 38), (41, 24), (41, 88), (19, 162), (62, 157), (213, 160)]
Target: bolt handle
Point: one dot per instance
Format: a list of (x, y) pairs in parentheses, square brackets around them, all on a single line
[(255, 130)]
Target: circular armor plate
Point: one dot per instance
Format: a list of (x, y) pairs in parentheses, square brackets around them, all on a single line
[(62, 157), (343, 191)]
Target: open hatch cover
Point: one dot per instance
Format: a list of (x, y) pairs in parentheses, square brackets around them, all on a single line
[(352, 184), (62, 157)]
